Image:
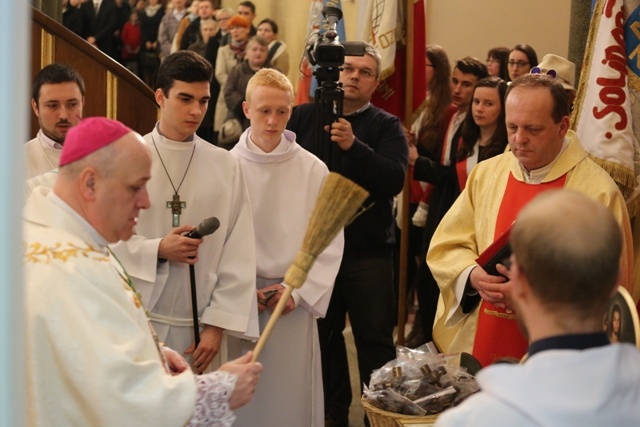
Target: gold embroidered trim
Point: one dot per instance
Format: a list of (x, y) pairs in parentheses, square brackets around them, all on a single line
[(37, 252), (499, 314)]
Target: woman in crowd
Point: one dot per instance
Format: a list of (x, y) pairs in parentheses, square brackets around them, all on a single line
[(207, 46), (278, 55), (497, 59), (483, 135), (228, 57), (149, 59), (131, 42), (236, 86), (427, 134), (522, 58), (208, 29), (222, 18), (192, 14)]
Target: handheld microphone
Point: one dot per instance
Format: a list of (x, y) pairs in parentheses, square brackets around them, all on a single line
[(206, 227)]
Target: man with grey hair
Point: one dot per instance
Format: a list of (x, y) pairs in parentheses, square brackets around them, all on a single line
[(222, 17), (368, 146), (565, 265), (92, 357), (475, 313)]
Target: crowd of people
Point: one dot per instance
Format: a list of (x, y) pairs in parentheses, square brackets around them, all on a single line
[(108, 254), (140, 34)]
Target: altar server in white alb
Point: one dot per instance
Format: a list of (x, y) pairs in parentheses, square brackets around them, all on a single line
[(92, 357), (283, 181), (192, 180)]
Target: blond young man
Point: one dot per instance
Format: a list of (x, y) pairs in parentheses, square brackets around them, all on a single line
[(283, 181)]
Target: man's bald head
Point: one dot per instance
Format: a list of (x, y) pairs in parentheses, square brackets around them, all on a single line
[(568, 246), (107, 187)]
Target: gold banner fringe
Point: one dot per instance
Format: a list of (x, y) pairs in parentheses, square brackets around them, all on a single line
[(634, 81), (624, 178), (633, 207), (586, 69)]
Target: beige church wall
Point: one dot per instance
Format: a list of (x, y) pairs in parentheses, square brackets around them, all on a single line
[(462, 27), (472, 27)]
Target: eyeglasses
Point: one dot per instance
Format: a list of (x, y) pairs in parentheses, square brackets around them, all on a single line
[(364, 72), (519, 64)]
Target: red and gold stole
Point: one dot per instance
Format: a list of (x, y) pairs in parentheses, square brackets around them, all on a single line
[(498, 335)]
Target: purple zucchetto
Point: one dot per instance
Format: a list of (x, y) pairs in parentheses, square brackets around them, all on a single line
[(90, 135)]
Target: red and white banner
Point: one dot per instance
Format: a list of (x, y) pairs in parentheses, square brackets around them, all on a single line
[(384, 25), (602, 116)]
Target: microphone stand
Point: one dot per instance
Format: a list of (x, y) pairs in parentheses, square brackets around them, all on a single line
[(206, 227), (194, 304)]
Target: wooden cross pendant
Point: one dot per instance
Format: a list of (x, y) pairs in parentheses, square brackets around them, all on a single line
[(176, 209)]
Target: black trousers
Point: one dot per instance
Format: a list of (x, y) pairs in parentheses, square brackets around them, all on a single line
[(363, 291)]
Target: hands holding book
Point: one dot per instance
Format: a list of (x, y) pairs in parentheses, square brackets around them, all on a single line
[(494, 289), (490, 279)]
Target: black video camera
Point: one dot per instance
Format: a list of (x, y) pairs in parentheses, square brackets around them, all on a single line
[(328, 54), (327, 50)]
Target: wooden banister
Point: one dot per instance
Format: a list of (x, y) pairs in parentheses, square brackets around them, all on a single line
[(111, 89)]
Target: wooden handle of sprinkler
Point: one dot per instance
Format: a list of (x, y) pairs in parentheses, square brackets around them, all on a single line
[(272, 322)]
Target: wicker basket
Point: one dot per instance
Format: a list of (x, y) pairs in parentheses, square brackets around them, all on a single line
[(381, 418)]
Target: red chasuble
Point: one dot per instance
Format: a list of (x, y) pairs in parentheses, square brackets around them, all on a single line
[(497, 334)]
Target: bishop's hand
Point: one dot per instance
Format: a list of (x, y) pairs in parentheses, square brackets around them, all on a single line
[(176, 247)]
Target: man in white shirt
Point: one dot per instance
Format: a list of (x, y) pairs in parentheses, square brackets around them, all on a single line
[(57, 101), (565, 265)]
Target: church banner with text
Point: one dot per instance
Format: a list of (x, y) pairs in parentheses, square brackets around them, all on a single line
[(603, 116), (385, 26)]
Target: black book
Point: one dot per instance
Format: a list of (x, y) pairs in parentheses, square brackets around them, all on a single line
[(497, 253)]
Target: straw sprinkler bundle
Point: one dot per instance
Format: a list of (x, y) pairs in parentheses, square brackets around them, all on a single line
[(337, 205)]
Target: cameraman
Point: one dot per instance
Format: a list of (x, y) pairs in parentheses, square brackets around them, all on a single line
[(368, 146)]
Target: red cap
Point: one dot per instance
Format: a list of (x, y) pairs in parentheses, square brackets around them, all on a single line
[(238, 21), (90, 135)]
